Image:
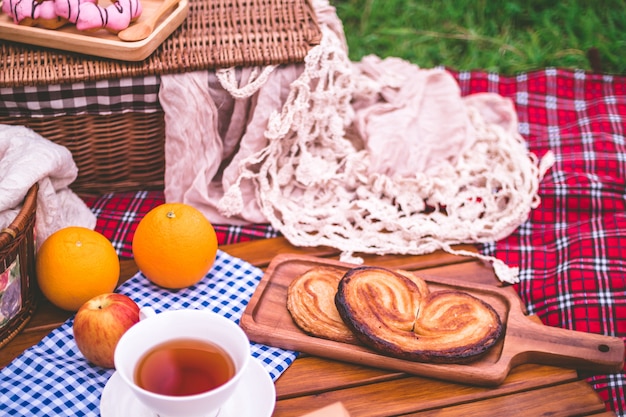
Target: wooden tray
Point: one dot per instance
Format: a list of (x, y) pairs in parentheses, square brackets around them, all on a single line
[(101, 43), (266, 320)]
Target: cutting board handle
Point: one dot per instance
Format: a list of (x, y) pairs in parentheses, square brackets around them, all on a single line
[(537, 343)]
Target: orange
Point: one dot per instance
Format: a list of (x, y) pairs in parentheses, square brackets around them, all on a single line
[(174, 245), (74, 264)]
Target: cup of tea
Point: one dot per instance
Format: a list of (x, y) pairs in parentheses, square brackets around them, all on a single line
[(183, 363)]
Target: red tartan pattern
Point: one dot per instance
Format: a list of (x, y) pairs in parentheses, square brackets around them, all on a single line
[(571, 249), (118, 215)]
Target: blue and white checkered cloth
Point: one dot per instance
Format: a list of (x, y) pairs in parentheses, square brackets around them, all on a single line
[(53, 379)]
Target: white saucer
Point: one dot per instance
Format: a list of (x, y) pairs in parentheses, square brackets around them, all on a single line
[(255, 397)]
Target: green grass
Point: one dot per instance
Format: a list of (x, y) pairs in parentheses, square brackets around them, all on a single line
[(501, 36)]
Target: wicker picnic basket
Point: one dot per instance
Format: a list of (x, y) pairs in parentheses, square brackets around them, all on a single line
[(18, 284), (125, 151)]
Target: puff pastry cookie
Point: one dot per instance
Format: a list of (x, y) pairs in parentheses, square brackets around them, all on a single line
[(311, 303), (387, 312)]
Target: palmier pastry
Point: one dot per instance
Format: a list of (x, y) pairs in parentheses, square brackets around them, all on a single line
[(311, 303), (386, 312)]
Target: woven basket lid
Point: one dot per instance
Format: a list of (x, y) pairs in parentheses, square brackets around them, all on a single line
[(215, 34)]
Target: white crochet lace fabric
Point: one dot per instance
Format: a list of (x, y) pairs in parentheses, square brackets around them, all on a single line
[(315, 184)]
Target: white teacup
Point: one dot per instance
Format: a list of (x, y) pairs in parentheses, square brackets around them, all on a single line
[(154, 330)]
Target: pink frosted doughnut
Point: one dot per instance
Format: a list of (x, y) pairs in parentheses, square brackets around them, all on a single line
[(114, 18), (85, 14), (70, 9), (33, 12), (29, 9), (7, 7)]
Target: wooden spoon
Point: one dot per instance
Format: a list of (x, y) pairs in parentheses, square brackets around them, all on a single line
[(141, 30)]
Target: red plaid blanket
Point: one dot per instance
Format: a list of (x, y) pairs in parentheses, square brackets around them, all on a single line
[(118, 215), (571, 250)]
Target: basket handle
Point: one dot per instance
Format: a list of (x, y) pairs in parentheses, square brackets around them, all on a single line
[(9, 231)]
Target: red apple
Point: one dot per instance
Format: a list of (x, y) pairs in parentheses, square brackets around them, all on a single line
[(100, 323)]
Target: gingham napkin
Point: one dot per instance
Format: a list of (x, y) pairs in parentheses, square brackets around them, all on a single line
[(53, 379)]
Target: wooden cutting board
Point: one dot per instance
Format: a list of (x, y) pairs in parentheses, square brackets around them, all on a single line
[(266, 320)]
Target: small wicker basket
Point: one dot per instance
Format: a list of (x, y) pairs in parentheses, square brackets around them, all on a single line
[(18, 284)]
